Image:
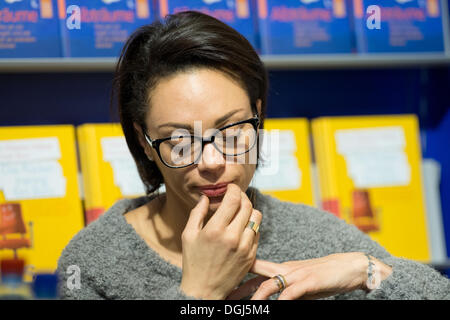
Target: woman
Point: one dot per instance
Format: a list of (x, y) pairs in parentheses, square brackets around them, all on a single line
[(192, 99)]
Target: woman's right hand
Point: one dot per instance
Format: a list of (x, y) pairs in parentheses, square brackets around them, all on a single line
[(218, 255)]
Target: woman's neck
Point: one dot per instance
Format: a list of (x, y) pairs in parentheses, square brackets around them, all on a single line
[(166, 221), (169, 223)]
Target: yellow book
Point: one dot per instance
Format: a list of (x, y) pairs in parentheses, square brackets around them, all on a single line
[(319, 155), (328, 188), (40, 206), (287, 174), (108, 170), (371, 169)]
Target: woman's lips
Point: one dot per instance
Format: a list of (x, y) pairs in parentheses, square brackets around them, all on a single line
[(214, 191)]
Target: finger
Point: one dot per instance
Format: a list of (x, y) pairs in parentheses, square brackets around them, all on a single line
[(298, 263), (248, 234), (255, 246), (295, 291), (265, 290), (307, 283), (268, 268), (242, 217), (230, 205), (247, 289), (198, 214), (294, 263)]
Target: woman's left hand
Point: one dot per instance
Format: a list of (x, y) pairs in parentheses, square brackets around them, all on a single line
[(314, 278)]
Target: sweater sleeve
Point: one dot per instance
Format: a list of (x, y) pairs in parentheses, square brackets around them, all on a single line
[(84, 274), (75, 283), (409, 279)]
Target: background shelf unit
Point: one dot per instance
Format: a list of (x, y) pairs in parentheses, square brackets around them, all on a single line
[(76, 91), (282, 62)]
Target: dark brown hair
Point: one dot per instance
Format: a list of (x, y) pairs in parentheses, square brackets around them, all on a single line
[(175, 44)]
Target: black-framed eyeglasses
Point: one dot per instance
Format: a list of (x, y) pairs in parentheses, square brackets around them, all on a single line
[(183, 149)]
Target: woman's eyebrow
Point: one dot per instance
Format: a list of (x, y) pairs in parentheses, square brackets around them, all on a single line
[(189, 127)]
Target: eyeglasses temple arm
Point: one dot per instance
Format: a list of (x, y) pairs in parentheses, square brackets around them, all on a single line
[(149, 140)]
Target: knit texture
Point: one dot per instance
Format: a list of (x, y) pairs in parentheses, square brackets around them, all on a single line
[(116, 263)]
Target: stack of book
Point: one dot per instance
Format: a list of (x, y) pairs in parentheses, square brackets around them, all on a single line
[(99, 28), (370, 175), (40, 207)]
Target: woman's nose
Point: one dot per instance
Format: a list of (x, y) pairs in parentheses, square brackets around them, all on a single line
[(211, 158)]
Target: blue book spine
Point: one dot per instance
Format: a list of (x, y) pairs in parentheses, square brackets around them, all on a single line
[(304, 26), (99, 28), (404, 26), (239, 14), (29, 28)]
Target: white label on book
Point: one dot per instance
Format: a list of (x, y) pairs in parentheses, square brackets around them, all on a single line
[(375, 157), (286, 143), (125, 173), (33, 149), (126, 177), (114, 148), (370, 139), (29, 169), (32, 180), (279, 168)]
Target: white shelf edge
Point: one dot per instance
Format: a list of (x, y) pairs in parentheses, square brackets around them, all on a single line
[(442, 265), (57, 65), (354, 60), (272, 62)]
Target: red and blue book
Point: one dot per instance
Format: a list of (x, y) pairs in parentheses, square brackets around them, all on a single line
[(239, 14), (104, 25), (29, 28), (304, 26), (404, 25)]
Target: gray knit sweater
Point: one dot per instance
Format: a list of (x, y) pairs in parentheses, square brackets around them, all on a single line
[(115, 262)]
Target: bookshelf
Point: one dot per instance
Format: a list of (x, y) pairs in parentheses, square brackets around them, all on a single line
[(76, 91), (272, 62)]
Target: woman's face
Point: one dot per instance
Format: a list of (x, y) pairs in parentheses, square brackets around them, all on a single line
[(212, 100)]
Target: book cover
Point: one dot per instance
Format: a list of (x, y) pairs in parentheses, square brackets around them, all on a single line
[(328, 198), (402, 26), (304, 26), (371, 176), (40, 205), (285, 168), (239, 14), (29, 29), (108, 170), (100, 28)]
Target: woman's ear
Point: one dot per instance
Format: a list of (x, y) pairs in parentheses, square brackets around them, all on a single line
[(142, 141), (258, 107)]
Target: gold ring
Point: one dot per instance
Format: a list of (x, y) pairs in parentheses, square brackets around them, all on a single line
[(280, 281), (254, 226)]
